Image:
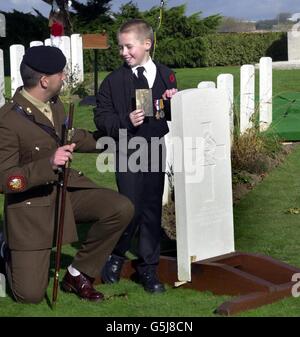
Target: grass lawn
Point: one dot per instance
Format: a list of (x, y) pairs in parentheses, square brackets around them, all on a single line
[(261, 225)]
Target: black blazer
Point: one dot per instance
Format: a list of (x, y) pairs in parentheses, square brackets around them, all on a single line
[(114, 102)]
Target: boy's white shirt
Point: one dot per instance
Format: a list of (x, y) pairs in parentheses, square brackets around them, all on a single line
[(149, 73)]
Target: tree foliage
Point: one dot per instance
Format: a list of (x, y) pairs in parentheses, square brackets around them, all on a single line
[(182, 41), (92, 10), (22, 28)]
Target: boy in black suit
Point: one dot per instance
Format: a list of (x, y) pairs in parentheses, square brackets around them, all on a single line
[(144, 187)]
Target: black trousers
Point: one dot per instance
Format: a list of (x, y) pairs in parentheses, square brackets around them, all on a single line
[(144, 190)]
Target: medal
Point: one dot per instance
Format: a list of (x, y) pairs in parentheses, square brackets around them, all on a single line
[(157, 108), (161, 108)]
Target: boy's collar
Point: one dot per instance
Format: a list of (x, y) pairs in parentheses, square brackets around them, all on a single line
[(148, 66)]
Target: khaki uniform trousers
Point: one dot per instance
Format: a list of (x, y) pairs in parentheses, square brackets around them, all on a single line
[(110, 212)]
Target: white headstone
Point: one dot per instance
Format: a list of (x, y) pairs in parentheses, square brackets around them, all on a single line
[(36, 43), (2, 80), (206, 84), (169, 164), (2, 25), (77, 57), (203, 191), (48, 42), (16, 54), (247, 107), (265, 93), (294, 45), (65, 47), (225, 82)]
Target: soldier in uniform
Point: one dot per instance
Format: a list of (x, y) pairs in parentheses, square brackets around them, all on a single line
[(31, 154)]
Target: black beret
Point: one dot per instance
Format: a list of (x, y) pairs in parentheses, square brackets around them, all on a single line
[(45, 59)]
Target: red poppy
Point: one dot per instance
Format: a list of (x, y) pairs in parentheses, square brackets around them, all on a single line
[(172, 78), (57, 29)]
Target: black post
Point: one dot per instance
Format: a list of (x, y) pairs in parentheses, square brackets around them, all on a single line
[(91, 100), (95, 71)]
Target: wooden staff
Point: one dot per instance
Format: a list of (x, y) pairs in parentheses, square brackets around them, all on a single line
[(64, 184)]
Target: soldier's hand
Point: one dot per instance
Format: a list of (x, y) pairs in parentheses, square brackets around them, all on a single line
[(62, 155), (137, 117)]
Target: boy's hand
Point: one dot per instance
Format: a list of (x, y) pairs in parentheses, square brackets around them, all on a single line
[(137, 117), (169, 93)]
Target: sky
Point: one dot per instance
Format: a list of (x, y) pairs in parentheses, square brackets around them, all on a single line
[(243, 9)]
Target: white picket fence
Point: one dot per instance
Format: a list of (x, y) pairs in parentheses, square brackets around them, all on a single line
[(70, 46)]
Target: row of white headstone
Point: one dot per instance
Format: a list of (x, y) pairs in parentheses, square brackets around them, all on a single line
[(247, 94), (70, 46), (201, 130), (225, 82)]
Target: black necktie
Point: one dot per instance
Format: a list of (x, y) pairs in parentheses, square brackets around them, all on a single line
[(140, 79)]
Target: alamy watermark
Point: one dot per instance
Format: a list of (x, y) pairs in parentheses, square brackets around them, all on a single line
[(190, 155), (296, 286)]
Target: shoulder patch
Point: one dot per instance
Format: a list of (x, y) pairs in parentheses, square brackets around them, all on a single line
[(16, 183)]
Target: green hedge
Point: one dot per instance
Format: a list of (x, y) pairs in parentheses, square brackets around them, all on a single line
[(208, 51), (242, 48)]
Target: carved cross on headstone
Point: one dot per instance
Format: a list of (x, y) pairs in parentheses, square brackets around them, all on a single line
[(212, 153)]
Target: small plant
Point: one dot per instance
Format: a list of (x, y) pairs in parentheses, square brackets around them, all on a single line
[(168, 213), (253, 151), (71, 83)]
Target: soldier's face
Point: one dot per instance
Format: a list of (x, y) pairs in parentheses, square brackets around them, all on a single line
[(55, 83), (133, 50)]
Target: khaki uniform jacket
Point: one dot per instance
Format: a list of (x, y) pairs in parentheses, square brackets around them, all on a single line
[(27, 178)]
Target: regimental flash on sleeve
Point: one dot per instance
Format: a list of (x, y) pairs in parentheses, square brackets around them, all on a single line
[(16, 183)]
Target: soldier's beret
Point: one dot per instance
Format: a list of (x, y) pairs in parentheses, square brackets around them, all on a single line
[(45, 59)]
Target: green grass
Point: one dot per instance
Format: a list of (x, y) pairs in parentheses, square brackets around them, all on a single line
[(261, 225)]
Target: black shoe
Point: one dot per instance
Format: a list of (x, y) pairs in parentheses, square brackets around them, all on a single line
[(151, 283), (112, 269)]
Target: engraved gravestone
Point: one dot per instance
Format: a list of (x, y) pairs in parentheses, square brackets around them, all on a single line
[(16, 55), (35, 43), (202, 177), (77, 57), (265, 93), (247, 93)]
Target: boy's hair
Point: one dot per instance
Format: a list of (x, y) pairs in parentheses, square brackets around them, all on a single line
[(29, 76), (142, 29)]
